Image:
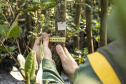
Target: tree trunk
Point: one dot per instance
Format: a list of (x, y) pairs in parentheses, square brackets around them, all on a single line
[(82, 40), (82, 33), (77, 23), (60, 18), (29, 28), (103, 29), (88, 28)]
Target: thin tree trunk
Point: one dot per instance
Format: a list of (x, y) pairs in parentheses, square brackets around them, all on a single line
[(82, 33), (103, 29), (88, 28), (77, 23), (29, 28), (82, 40), (60, 17), (23, 35)]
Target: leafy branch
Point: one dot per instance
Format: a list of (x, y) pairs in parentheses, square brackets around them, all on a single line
[(9, 53), (17, 14), (6, 20)]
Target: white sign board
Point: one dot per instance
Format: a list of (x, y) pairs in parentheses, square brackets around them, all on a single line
[(61, 25)]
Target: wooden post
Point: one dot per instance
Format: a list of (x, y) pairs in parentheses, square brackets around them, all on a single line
[(59, 31)]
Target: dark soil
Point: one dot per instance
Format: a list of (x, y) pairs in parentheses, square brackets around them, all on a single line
[(6, 65), (5, 68)]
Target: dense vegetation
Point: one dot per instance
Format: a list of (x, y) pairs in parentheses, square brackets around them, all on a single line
[(22, 21)]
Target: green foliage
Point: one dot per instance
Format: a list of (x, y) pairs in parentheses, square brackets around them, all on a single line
[(97, 38), (1, 5), (30, 65), (44, 21), (48, 4), (85, 52), (78, 51), (2, 49), (18, 34), (10, 32), (52, 5), (36, 1), (73, 30), (30, 9), (10, 49), (95, 26), (41, 51), (14, 31), (14, 24), (4, 30)]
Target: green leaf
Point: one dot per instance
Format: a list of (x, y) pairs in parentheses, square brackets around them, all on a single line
[(78, 51), (2, 49), (47, 3), (52, 0), (10, 49), (14, 31), (1, 5), (20, 30), (30, 9), (1, 11), (19, 33), (85, 50), (32, 14), (51, 6), (4, 30), (30, 65), (41, 51), (14, 24), (36, 1)]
